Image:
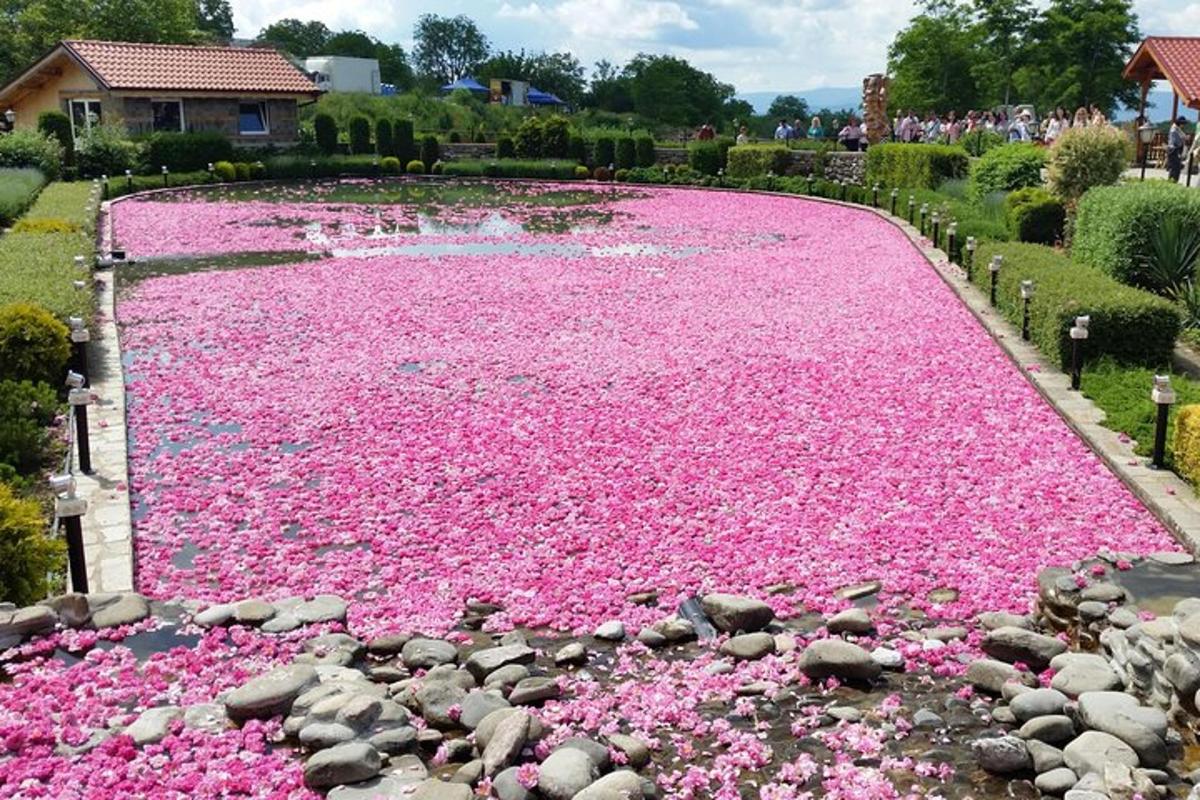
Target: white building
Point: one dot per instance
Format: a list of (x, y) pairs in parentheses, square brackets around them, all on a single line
[(344, 74)]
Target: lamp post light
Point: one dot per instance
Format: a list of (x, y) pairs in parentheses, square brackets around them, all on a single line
[(924, 213), (1026, 296), (969, 261), (1163, 396), (842, 195), (810, 184), (1079, 334), (80, 336), (875, 196), (212, 173), (164, 173), (70, 509), (952, 241), (937, 229), (79, 398), (10, 120), (770, 180), (895, 196), (103, 187), (128, 180), (912, 207), (994, 268), (1145, 136), (720, 176)]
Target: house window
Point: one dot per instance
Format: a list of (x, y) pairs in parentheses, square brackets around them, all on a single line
[(168, 115), (252, 119), (85, 115)]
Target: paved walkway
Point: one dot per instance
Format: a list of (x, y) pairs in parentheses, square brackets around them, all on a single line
[(1152, 173)]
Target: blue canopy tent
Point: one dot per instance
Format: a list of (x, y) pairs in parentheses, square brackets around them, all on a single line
[(470, 84), (536, 97)]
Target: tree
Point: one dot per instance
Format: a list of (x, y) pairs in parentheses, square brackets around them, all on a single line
[(734, 109), (1003, 25), (355, 44), (393, 66), (930, 61), (560, 74), (215, 18), (609, 89), (298, 38), (447, 48), (789, 107), (672, 91)]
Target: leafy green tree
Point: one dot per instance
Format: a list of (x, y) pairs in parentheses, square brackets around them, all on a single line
[(296, 37), (355, 44), (672, 91), (393, 66), (789, 107), (447, 48), (931, 60), (609, 89), (1002, 29), (215, 18), (560, 74)]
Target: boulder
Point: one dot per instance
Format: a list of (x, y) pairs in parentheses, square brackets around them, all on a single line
[(271, 694), (565, 773), (731, 613), (1037, 703), (426, 653), (749, 646), (434, 789), (1052, 729), (637, 754), (1002, 755), (506, 742), (345, 763), (612, 631), (477, 705), (322, 608), (1014, 644), (620, 785), (852, 620), (989, 675), (153, 725), (1093, 749), (1056, 782), (827, 658), (1083, 672), (534, 690), (128, 609), (482, 663)]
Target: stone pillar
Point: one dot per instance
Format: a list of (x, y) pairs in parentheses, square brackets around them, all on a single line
[(875, 111)]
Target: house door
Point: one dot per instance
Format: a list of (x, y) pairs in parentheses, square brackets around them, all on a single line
[(85, 114)]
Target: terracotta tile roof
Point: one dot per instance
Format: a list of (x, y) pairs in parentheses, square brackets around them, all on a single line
[(1176, 58), (170, 67)]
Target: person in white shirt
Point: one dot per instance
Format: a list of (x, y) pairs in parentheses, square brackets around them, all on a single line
[(783, 132), (1057, 124)]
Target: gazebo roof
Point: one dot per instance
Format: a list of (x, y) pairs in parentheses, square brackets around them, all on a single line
[(1173, 58)]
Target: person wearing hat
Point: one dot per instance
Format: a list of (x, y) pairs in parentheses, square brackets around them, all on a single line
[(1176, 144)]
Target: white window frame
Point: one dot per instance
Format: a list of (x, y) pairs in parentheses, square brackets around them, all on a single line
[(266, 118), (87, 102), (182, 119)]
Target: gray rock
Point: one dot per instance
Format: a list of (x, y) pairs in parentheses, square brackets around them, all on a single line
[(469, 773), (596, 751), (1085, 673), (322, 608), (1045, 757), (844, 713), (1118, 714), (73, 609), (1123, 617), (749, 646), (435, 701), (28, 621), (571, 655), (426, 653), (384, 787), (651, 638), (320, 735), (388, 645), (1053, 729), (826, 658), (1056, 782), (1004, 715), (153, 725), (408, 768), (128, 609), (946, 633), (1091, 610), (852, 620), (253, 612), (924, 718), (1103, 592), (565, 773), (989, 675), (637, 754), (1172, 558), (534, 690), (208, 717), (1082, 794), (731, 613), (620, 785), (346, 763), (448, 673), (674, 630), (1013, 644), (887, 658), (394, 741), (361, 711), (858, 590), (482, 663), (506, 677), (271, 694), (1183, 671), (506, 742), (478, 705), (1002, 755), (1000, 619), (507, 787), (1093, 749), (1124, 783), (613, 631), (1037, 703), (434, 789), (487, 728), (281, 623)]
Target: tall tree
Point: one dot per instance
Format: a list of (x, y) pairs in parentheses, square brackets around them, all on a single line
[(789, 107), (215, 18), (296, 37), (355, 44), (560, 74), (672, 91), (447, 48), (609, 89), (930, 61), (393, 66), (1003, 25)]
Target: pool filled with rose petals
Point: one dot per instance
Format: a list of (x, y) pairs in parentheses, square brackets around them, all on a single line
[(675, 390)]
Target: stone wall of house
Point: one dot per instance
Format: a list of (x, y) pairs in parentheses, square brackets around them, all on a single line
[(218, 114)]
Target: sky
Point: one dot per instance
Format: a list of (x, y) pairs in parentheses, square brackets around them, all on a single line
[(779, 45)]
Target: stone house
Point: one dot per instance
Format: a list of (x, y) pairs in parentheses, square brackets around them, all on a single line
[(251, 95)]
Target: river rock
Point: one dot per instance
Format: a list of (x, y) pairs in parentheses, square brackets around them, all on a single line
[(1037, 703), (383, 787), (990, 675), (852, 620), (253, 612), (434, 789), (611, 631), (153, 725), (1056, 782), (1002, 619), (1084, 672), (482, 663), (506, 742), (478, 705), (1183, 671), (271, 694), (565, 773), (128, 609), (390, 644), (1002, 755), (426, 653), (731, 613), (637, 754), (436, 701), (749, 646), (1045, 757), (73, 609), (1013, 644), (506, 677), (1093, 749), (1052, 729), (826, 658), (487, 728), (620, 785), (887, 658), (322, 608), (571, 655), (345, 763), (534, 690)]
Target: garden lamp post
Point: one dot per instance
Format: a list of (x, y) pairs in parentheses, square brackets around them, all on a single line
[(10, 119), (810, 184), (165, 176), (1026, 296), (70, 509), (994, 268), (924, 213), (969, 261), (1163, 396), (80, 336), (912, 207), (128, 180), (103, 187), (937, 228), (951, 241), (1145, 136), (720, 176), (79, 398), (212, 178), (895, 196), (1079, 335), (842, 196), (875, 196), (770, 179)]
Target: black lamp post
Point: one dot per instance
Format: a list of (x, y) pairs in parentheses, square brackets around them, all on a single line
[(128, 180), (1163, 396), (912, 208), (937, 229), (895, 196), (924, 213), (1026, 296), (1079, 335), (10, 120), (994, 268), (165, 178), (952, 242), (70, 509), (875, 196), (103, 187), (1146, 136), (212, 178)]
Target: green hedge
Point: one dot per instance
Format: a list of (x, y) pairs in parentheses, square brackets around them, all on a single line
[(511, 168), (27, 554), (39, 267), (1115, 225), (1008, 168), (25, 148), (747, 161), (1035, 215), (18, 188), (1129, 325), (922, 166), (186, 152)]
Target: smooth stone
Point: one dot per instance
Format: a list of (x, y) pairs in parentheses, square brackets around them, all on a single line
[(506, 742), (674, 630), (731, 613), (426, 653), (322, 608), (887, 658), (1002, 619), (1103, 592), (1093, 749), (852, 620), (612, 631), (346, 763), (749, 646), (73, 609), (483, 663), (1037, 703), (924, 718), (281, 623), (1096, 707), (1053, 729), (1172, 558), (153, 725), (1091, 675), (857, 590), (844, 713), (990, 675), (320, 735), (128, 609), (253, 612), (271, 694), (436, 701), (330, 643), (1123, 617), (383, 787), (507, 787), (596, 751), (1183, 672), (487, 728), (827, 658), (570, 655), (207, 717), (388, 645), (946, 633), (1004, 715), (469, 773), (1002, 755), (620, 785), (361, 711), (651, 638), (534, 690), (1013, 644), (408, 768), (1013, 689), (1056, 781), (477, 705), (448, 673), (433, 789), (1091, 610), (1045, 757), (506, 677), (566, 772), (394, 741), (637, 754)]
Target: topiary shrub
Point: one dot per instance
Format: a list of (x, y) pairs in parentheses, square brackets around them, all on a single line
[(1084, 158), (402, 135), (621, 175), (1005, 169), (1187, 443), (23, 148), (27, 554), (577, 148), (1035, 215), (431, 151), (390, 165), (57, 126), (505, 148), (917, 166), (243, 170), (704, 157), (360, 135), (34, 345), (187, 152), (415, 167), (258, 171), (385, 145), (224, 171), (604, 151), (105, 151), (602, 174), (437, 168), (26, 411), (326, 132), (581, 172), (646, 157), (748, 161), (1115, 225), (626, 153)]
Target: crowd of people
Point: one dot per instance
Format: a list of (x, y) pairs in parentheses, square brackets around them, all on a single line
[(1021, 127)]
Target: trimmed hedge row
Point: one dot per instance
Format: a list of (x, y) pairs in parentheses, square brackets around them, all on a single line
[(1129, 325), (922, 166), (18, 188), (748, 161), (1187, 443), (514, 168)]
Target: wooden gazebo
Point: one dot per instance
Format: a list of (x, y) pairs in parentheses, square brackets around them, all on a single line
[(1175, 59)]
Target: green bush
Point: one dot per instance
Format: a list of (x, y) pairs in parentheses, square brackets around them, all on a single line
[(224, 171), (704, 157), (105, 150), (242, 169), (543, 137), (621, 175), (981, 141), (513, 168), (26, 411), (402, 133), (1129, 325), (1114, 225), (39, 267), (258, 171), (1008, 168), (1084, 158), (415, 167), (390, 165), (505, 147), (626, 153), (187, 152), (57, 126), (18, 188), (922, 166), (644, 145), (431, 151), (581, 172), (45, 225), (604, 151), (27, 554), (748, 161), (455, 137), (577, 148), (360, 135), (385, 145), (23, 148), (1035, 215), (33, 344), (326, 131)]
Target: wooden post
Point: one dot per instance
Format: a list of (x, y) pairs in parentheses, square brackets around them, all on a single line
[(1174, 105), (1142, 117)]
